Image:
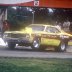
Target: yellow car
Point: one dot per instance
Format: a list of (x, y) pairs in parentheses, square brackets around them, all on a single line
[(39, 36)]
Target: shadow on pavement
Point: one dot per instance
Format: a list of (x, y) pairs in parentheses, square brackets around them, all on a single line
[(29, 49)]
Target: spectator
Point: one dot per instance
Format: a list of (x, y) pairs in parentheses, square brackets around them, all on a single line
[(1, 22), (66, 26), (5, 25), (70, 27), (4, 28)]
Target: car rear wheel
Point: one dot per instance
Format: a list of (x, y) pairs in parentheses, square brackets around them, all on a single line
[(11, 45), (62, 47)]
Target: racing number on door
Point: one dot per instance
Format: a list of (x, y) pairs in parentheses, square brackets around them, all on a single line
[(51, 37)]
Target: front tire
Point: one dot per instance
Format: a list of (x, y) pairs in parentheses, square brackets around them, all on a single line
[(11, 45), (36, 44)]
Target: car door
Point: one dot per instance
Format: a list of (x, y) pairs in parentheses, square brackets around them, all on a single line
[(51, 36)]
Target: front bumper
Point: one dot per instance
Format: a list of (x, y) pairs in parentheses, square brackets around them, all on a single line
[(19, 41)]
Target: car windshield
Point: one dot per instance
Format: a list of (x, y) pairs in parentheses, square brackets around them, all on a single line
[(52, 30), (37, 27)]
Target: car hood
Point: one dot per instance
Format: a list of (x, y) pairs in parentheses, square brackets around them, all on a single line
[(13, 32), (25, 30)]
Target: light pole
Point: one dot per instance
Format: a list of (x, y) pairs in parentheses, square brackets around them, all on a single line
[(33, 17), (6, 14)]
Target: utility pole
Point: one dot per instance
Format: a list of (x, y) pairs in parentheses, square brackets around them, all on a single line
[(6, 14), (33, 17)]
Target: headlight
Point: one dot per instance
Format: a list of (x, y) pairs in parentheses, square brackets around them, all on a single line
[(5, 35)]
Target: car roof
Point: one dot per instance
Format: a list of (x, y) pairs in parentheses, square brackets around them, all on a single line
[(48, 25), (43, 25)]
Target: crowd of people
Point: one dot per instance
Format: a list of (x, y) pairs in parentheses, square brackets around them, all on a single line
[(66, 26)]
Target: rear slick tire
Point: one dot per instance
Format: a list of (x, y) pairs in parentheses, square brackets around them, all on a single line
[(62, 47)]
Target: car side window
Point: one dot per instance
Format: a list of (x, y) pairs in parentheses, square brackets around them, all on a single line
[(52, 30), (37, 28)]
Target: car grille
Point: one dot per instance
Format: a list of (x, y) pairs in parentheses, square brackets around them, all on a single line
[(17, 35)]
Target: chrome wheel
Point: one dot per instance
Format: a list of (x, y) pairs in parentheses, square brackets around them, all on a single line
[(36, 44), (62, 46)]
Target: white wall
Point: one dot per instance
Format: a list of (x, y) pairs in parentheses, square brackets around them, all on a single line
[(14, 1)]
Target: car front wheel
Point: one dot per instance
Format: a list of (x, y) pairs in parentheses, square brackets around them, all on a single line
[(36, 44), (11, 45)]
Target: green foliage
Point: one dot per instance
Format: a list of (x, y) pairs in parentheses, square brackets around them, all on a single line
[(18, 17), (35, 65), (22, 16)]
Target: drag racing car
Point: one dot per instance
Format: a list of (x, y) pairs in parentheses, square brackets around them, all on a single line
[(38, 36)]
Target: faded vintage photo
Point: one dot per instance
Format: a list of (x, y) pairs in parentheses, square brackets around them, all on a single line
[(35, 36)]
